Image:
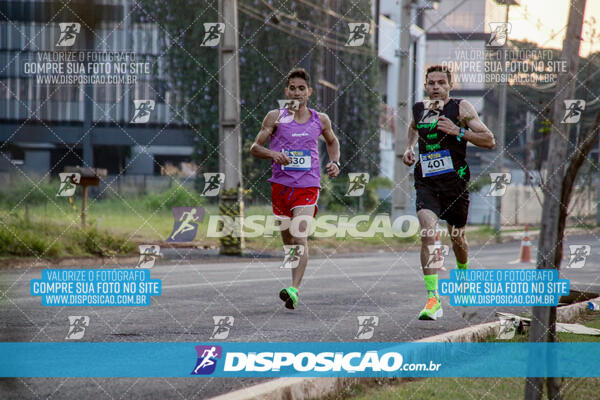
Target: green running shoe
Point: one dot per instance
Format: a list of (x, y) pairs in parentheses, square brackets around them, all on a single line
[(432, 310), (290, 296)]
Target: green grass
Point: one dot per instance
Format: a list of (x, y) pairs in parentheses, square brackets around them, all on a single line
[(588, 318), (469, 389), (20, 237), (148, 219), (481, 388), (140, 220)]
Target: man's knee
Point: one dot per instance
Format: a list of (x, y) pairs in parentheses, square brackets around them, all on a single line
[(428, 235), (427, 222), (299, 240), (300, 226), (458, 237)]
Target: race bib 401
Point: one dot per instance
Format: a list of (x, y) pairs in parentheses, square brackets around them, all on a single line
[(436, 163)]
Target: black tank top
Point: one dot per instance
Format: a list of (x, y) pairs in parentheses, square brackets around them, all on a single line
[(431, 140)]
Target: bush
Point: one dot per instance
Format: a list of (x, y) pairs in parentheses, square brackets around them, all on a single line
[(26, 193), (16, 241), (372, 200), (479, 183), (333, 195), (103, 244), (22, 238), (177, 196)]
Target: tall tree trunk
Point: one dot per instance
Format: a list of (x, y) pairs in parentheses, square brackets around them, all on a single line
[(543, 327)]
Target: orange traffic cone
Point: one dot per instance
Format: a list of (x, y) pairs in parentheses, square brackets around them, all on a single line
[(525, 256)]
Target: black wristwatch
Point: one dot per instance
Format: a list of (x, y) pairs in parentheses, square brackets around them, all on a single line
[(338, 164)]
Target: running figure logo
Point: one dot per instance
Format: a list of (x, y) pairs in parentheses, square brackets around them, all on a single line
[(68, 183), (185, 225), (223, 324), (148, 254), (431, 114), (499, 33), (432, 111), (357, 183), (573, 111), (358, 33), (366, 326), (436, 256), (143, 108), (292, 252), (68, 33), (508, 327), (499, 183), (292, 106), (212, 183), (212, 33), (207, 359), (578, 255), (77, 325)]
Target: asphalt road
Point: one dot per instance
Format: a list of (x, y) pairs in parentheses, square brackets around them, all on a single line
[(335, 291)]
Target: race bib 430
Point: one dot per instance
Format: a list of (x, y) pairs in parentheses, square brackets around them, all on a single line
[(300, 160)]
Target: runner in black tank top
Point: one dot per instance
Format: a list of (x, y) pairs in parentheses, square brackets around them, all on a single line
[(442, 126), (431, 140)]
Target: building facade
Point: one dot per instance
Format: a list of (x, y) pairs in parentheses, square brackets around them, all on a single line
[(47, 124)]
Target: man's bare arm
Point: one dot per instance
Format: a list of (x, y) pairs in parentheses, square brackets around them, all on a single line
[(258, 148), (478, 133), (413, 135), (333, 145)]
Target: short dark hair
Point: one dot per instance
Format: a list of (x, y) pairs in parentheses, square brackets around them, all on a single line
[(299, 73), (439, 68)]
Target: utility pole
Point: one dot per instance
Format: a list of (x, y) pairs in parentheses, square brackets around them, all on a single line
[(529, 154), (543, 327), (91, 20), (501, 127), (402, 188), (598, 190), (325, 68), (230, 138), (598, 193)]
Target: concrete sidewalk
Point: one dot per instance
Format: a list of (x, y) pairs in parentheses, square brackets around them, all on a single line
[(314, 388)]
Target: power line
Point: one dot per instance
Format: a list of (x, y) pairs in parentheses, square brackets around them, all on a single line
[(327, 11), (454, 8), (277, 12), (298, 33)]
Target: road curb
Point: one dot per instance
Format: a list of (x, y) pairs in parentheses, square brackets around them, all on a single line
[(314, 388), (569, 313), (290, 389)]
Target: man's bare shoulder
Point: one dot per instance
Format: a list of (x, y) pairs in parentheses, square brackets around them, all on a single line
[(324, 118), (271, 116), (466, 111), (466, 106), (273, 113)]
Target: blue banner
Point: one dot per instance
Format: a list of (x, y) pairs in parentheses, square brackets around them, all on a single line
[(95, 287), (306, 359), (504, 287)]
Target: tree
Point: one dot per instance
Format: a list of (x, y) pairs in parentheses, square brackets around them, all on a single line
[(271, 42), (543, 328)]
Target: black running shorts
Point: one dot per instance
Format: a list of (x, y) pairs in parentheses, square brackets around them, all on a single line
[(448, 203)]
